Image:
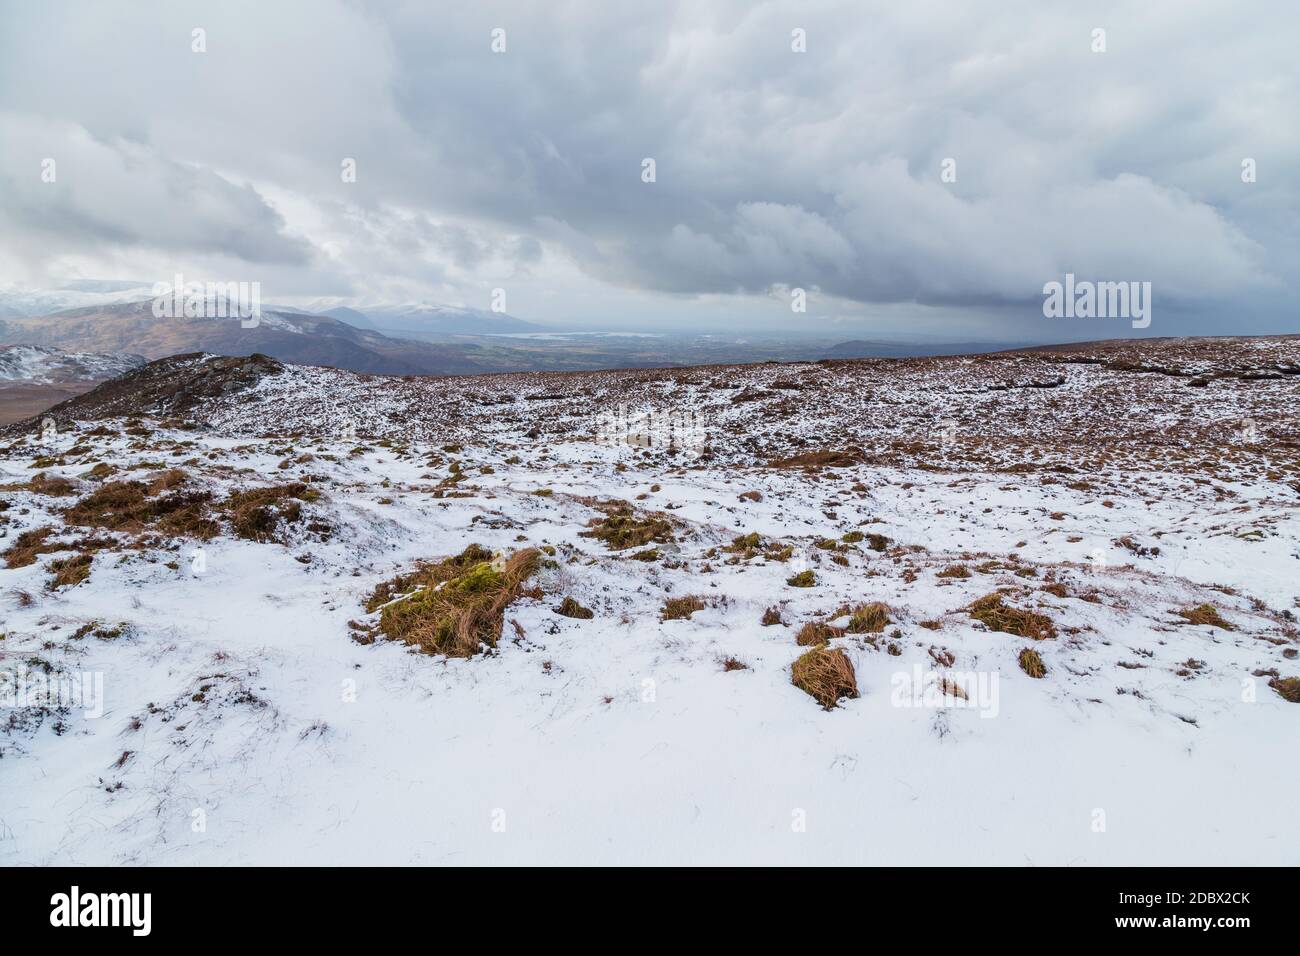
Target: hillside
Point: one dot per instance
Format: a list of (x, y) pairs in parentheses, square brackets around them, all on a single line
[(289, 336), (32, 378), (811, 613)]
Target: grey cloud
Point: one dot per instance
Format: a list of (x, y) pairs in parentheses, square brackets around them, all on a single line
[(121, 193), (774, 168)]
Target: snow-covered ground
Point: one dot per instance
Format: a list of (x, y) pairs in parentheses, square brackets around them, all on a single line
[(241, 722), (40, 365)]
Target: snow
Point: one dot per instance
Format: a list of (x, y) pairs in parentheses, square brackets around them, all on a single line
[(41, 365), (621, 739), (17, 301)]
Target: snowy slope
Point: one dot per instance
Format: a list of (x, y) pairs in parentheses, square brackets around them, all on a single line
[(243, 725), (48, 366)]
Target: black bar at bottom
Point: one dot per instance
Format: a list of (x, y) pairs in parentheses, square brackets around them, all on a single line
[(365, 905)]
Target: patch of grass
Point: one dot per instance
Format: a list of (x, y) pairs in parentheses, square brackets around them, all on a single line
[(100, 630), (825, 675), (676, 609), (746, 544), (457, 605), (954, 571), (1142, 551), (1031, 663), (868, 618), (135, 506), (571, 608), (772, 616), (649, 554), (996, 615), (816, 632), (426, 574), (30, 545), (69, 572), (1287, 687), (42, 484), (804, 579), (622, 528), (734, 664), (820, 459), (1205, 614), (877, 542), (256, 514), (853, 537)]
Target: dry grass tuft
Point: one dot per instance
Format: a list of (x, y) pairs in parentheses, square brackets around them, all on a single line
[(868, 618), (1142, 551), (134, 506), (69, 572), (745, 544), (569, 607), (734, 664), (821, 459), (1287, 687), (622, 528), (817, 632), (30, 545), (996, 615), (255, 515), (951, 689), (1032, 664), (772, 616), (458, 605), (825, 675), (1205, 614), (426, 573), (677, 609), (954, 571), (804, 579), (42, 484), (877, 542)]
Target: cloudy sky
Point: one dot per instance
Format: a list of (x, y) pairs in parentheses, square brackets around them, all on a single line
[(774, 169)]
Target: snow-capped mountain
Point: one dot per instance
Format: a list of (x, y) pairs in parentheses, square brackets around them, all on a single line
[(17, 302)]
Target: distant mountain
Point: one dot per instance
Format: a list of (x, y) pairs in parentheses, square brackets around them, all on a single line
[(18, 302), (33, 377), (352, 317), (293, 337), (419, 317)]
